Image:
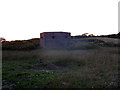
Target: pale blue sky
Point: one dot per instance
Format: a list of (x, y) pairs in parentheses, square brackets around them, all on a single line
[(25, 19)]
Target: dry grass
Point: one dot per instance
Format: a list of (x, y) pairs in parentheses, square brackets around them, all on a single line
[(86, 68)]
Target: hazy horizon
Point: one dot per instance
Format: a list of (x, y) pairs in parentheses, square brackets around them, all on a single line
[(26, 19)]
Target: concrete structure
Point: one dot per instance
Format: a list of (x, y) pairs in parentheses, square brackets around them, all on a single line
[(55, 39)]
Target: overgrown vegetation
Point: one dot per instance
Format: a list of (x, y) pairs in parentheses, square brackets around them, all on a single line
[(88, 64), (21, 44)]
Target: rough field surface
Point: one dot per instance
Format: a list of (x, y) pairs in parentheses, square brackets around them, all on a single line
[(87, 63)]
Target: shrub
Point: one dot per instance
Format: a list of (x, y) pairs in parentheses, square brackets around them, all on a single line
[(21, 44)]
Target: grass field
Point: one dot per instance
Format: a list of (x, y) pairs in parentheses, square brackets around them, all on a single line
[(88, 63)]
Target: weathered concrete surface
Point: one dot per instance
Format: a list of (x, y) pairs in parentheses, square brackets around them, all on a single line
[(55, 39)]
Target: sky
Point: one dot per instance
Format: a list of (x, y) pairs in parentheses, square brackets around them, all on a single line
[(26, 19)]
